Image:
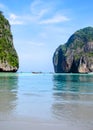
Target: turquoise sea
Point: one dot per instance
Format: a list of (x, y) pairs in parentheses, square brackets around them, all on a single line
[(63, 98)]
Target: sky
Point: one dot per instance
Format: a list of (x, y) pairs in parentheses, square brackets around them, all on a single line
[(40, 26)]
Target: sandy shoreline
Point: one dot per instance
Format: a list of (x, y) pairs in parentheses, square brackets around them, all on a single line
[(28, 126), (7, 125), (32, 124)]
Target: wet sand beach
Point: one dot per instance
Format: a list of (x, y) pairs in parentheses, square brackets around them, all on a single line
[(38, 125)]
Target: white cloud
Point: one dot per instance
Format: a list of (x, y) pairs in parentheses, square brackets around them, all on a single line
[(15, 20), (39, 9), (33, 6), (36, 6), (26, 19), (40, 14), (55, 19), (13, 16)]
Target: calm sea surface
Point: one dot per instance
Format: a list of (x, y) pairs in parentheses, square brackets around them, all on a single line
[(54, 97)]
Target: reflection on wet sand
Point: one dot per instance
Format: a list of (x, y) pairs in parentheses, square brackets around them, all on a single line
[(73, 98), (8, 95)]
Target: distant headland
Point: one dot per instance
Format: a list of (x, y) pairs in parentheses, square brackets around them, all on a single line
[(76, 55)]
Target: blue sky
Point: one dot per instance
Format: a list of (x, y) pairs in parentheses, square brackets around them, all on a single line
[(40, 26)]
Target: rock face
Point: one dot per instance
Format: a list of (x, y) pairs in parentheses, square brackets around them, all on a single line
[(75, 56), (8, 57)]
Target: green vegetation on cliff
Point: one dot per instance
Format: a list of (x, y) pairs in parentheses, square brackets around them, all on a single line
[(77, 54), (79, 40), (81, 37), (7, 51)]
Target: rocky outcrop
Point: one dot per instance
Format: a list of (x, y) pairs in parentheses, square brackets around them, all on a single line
[(8, 56), (75, 56)]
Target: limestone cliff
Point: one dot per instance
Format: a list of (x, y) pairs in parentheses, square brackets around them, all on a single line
[(75, 56), (8, 56)]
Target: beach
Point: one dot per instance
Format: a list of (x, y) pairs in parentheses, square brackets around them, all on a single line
[(25, 125), (38, 125)]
